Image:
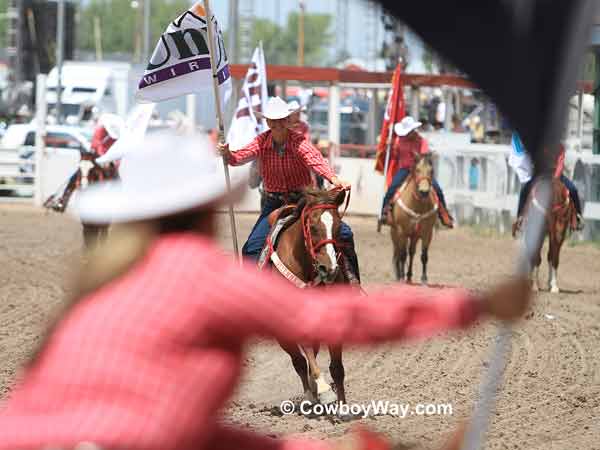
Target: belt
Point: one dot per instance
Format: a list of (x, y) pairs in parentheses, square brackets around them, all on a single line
[(285, 197)]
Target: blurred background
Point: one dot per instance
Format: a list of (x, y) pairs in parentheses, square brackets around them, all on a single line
[(336, 57)]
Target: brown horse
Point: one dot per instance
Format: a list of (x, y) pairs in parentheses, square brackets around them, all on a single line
[(88, 172), (414, 213), (308, 254), (557, 220)]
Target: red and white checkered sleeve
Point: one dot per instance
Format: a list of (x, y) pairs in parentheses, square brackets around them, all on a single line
[(249, 153), (312, 158), (263, 304)]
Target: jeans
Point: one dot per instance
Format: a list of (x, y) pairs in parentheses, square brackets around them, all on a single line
[(397, 181), (258, 235), (526, 189)]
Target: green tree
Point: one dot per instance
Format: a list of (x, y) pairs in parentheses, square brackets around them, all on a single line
[(3, 24), (121, 24), (281, 44)]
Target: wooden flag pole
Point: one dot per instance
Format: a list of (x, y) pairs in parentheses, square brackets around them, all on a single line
[(385, 170), (221, 136)]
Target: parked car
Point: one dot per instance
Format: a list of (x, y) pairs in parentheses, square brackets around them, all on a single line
[(60, 140)]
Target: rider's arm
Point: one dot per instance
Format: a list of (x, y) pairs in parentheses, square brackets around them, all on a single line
[(248, 153), (262, 304), (314, 160), (424, 146)]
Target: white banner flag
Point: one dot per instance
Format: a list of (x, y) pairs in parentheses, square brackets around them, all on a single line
[(180, 63), (245, 126), (131, 135)]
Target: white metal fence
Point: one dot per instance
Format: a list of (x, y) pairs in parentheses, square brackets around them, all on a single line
[(485, 194)]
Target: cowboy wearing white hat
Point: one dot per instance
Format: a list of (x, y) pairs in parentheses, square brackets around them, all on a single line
[(287, 161), (405, 145), (297, 124)]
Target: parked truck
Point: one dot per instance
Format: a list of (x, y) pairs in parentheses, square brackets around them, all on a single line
[(88, 88)]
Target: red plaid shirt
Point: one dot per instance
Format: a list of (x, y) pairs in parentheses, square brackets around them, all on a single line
[(149, 360), (402, 154), (288, 172)]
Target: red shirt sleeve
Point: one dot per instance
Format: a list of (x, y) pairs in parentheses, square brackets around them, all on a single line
[(313, 159), (248, 153), (265, 304)]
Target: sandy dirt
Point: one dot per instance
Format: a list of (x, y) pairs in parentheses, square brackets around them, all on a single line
[(550, 398)]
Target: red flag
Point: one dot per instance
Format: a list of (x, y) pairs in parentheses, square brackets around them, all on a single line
[(394, 113)]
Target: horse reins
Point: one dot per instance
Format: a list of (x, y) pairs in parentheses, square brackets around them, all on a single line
[(305, 219)]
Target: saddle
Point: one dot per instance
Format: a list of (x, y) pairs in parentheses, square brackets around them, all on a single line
[(279, 220)]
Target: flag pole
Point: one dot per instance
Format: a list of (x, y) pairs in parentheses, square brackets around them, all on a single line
[(221, 136), (385, 170)]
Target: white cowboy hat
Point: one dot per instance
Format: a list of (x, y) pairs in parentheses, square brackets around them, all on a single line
[(166, 175), (276, 109), (113, 125), (406, 125), (295, 107)]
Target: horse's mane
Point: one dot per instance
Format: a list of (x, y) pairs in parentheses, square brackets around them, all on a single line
[(314, 195)]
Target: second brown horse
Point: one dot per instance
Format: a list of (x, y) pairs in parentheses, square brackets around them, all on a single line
[(414, 213)]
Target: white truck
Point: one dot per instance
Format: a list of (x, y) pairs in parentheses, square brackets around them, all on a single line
[(100, 86)]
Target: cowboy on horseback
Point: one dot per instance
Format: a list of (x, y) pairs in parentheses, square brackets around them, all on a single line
[(106, 134), (407, 143), (287, 161), (524, 172)]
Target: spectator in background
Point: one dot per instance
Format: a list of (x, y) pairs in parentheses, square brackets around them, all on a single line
[(474, 175)]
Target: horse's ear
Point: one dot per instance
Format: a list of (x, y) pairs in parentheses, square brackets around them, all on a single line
[(340, 197)]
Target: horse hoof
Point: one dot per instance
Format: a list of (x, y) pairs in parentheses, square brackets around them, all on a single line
[(310, 397), (555, 290), (424, 282), (346, 417), (327, 397)]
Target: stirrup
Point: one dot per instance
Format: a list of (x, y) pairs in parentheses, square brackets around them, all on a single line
[(580, 223)]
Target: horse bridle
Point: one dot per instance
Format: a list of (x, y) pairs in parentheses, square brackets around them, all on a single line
[(305, 219)]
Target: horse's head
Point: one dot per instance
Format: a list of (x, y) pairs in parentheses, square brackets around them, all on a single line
[(321, 225), (423, 174)]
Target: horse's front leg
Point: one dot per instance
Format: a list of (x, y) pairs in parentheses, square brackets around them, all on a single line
[(553, 259), (399, 241), (336, 369), (425, 242), (411, 256), (301, 368), (318, 385)]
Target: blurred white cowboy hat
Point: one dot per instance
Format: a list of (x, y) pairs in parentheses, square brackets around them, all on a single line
[(276, 109), (295, 107), (406, 125), (113, 124), (172, 174)]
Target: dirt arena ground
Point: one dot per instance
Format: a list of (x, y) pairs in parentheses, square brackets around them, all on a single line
[(550, 398)]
